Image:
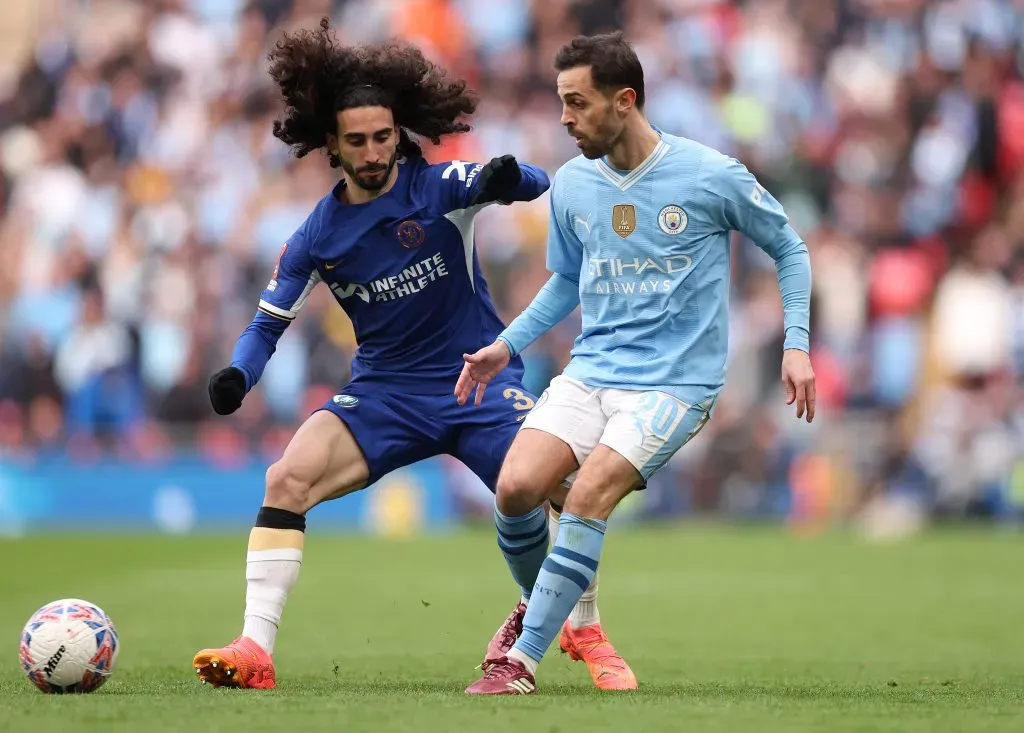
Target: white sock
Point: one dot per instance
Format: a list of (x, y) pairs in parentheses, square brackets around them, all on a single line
[(584, 613), (270, 572), (529, 662), (553, 517), (261, 631)]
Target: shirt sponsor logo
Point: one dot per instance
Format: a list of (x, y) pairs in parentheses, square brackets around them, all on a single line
[(409, 281)]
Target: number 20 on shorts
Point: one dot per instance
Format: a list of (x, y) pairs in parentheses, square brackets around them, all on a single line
[(659, 413)]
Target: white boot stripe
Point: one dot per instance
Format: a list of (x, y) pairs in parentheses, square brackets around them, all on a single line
[(521, 686)]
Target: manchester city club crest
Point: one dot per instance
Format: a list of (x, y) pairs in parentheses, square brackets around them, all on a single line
[(672, 219), (411, 234), (345, 400)]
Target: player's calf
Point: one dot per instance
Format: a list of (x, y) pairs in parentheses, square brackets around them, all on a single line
[(571, 566), (522, 523), (321, 461), (272, 567), (585, 612), (518, 512), (605, 479)]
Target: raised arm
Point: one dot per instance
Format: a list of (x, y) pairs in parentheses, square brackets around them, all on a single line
[(503, 180)]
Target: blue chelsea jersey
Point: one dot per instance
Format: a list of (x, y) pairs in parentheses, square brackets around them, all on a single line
[(403, 267)]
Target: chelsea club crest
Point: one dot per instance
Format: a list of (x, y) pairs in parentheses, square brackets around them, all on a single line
[(672, 219), (411, 234)]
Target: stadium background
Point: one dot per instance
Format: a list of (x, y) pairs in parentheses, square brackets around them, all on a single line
[(143, 202)]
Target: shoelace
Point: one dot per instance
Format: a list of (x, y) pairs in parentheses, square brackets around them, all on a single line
[(501, 670), (508, 634), (508, 639), (508, 631), (607, 657)]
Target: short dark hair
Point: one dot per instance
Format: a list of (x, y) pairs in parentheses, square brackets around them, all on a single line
[(613, 62), (318, 77)]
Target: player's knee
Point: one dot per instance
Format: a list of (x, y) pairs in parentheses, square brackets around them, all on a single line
[(517, 495), (287, 488)]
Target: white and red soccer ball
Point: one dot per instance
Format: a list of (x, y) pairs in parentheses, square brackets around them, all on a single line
[(69, 645)]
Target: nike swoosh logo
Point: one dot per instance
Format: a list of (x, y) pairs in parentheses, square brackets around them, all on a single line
[(328, 266)]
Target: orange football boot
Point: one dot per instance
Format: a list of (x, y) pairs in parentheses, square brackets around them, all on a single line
[(242, 663), (590, 644)]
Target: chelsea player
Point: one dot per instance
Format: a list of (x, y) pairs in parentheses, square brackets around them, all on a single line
[(394, 243), (639, 237)]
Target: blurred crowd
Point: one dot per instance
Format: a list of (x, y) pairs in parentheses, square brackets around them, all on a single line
[(143, 203)]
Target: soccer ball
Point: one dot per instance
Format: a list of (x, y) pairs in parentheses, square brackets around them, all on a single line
[(69, 645)]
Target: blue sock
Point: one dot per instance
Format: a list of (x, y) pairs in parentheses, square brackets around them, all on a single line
[(565, 574), (524, 543)]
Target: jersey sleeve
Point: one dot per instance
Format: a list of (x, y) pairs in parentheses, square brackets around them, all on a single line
[(293, 280), (746, 206), (459, 182), (743, 204), (557, 299), (565, 250)]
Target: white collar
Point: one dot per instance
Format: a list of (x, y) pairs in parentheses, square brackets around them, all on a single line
[(624, 182)]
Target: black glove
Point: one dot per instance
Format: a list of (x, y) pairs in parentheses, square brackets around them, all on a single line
[(497, 180), (227, 388)]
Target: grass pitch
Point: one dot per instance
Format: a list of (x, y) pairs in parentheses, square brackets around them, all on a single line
[(740, 629)]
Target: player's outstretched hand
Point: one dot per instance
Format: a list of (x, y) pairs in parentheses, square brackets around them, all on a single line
[(479, 369), (497, 180), (798, 379), (227, 388)]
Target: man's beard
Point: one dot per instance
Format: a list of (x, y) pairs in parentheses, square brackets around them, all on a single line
[(597, 145), (371, 178)]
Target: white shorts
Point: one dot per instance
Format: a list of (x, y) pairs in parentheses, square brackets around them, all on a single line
[(645, 428)]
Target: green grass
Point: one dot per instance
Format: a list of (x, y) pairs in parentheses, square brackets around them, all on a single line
[(728, 630)]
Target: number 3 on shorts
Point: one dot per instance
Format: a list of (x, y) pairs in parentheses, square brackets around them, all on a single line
[(522, 401)]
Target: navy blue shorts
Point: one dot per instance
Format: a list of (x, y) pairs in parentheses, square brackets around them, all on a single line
[(395, 428)]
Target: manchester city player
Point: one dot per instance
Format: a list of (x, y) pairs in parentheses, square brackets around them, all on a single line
[(639, 236), (394, 243)]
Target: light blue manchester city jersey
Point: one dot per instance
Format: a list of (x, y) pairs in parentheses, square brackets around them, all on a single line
[(650, 250)]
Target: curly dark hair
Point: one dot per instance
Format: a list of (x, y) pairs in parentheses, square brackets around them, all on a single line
[(318, 77)]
